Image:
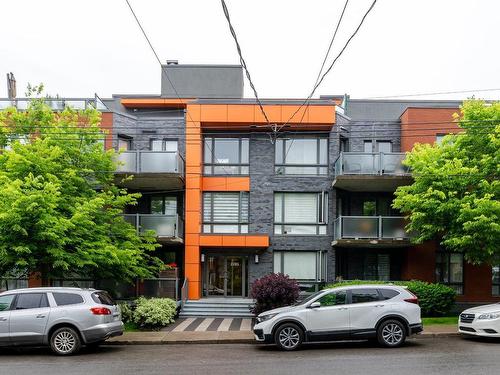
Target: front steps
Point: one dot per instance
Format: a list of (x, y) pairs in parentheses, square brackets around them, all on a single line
[(217, 307)]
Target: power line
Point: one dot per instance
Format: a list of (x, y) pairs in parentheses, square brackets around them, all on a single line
[(430, 93), (242, 61)]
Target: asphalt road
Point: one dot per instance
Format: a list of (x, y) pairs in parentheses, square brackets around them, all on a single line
[(420, 356)]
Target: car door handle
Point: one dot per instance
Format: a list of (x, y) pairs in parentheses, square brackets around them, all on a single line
[(379, 305), (3, 319), (40, 316), (342, 308)]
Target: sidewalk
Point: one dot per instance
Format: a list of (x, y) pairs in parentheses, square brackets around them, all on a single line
[(232, 337)]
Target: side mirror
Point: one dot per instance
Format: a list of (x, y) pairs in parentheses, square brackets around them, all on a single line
[(315, 305)]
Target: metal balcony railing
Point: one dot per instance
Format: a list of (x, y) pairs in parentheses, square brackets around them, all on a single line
[(139, 161), (56, 104), (360, 163), (370, 227), (163, 225)]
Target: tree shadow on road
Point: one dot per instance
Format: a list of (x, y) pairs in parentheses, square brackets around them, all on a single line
[(355, 345), (45, 351)]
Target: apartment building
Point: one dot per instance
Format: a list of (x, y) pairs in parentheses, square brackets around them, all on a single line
[(231, 201)]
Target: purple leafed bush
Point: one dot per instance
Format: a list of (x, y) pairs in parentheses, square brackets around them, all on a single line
[(272, 291)]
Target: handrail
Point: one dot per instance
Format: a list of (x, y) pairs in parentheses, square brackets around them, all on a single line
[(174, 221), (358, 163), (361, 230), (184, 292)]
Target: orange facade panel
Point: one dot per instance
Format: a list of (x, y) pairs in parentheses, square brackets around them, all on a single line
[(226, 183), (251, 240)]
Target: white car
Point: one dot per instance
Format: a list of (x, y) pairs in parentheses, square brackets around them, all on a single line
[(481, 321), (387, 313)]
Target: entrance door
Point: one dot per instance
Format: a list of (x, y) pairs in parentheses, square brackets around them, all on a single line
[(225, 276)]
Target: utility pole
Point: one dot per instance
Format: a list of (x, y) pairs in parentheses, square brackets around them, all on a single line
[(11, 86)]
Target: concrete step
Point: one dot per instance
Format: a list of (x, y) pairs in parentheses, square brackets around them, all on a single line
[(209, 314), (215, 305)]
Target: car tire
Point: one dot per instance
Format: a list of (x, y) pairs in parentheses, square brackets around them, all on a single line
[(289, 336), (65, 341), (391, 333)]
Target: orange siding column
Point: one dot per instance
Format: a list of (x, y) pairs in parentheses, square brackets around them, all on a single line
[(192, 265)]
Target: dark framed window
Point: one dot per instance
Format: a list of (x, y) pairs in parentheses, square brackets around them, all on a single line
[(223, 156), (495, 280), (124, 143), (225, 212), (450, 270), (301, 156), (6, 302), (333, 299), (301, 265), (31, 301), (384, 146), (301, 213), (64, 299), (163, 205)]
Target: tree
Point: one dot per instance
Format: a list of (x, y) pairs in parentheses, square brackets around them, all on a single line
[(455, 194), (59, 207)]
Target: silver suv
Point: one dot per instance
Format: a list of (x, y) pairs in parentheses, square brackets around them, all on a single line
[(64, 318)]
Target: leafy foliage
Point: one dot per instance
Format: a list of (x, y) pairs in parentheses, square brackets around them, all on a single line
[(59, 207), (434, 299), (127, 312), (455, 194), (154, 313), (273, 291)]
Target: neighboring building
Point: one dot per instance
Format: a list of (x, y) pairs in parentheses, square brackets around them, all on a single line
[(230, 203)]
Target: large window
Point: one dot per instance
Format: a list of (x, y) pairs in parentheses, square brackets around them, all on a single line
[(301, 265), (225, 212), (495, 280), (450, 270), (225, 156), (169, 145), (163, 205), (296, 156), (300, 213)]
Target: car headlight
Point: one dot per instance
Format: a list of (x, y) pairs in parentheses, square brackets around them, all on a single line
[(494, 315), (263, 318)]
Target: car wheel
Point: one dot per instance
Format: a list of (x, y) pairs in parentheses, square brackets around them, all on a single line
[(391, 333), (65, 341), (289, 336)]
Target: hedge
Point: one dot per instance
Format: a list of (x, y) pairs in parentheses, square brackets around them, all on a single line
[(434, 299), (154, 313)]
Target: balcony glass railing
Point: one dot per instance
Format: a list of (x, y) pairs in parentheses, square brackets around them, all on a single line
[(359, 163), (150, 162), (163, 225), (370, 227), (56, 104)]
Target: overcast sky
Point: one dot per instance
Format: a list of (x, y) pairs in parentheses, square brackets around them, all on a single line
[(78, 48)]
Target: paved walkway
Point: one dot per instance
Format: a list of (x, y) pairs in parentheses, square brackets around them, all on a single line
[(210, 325)]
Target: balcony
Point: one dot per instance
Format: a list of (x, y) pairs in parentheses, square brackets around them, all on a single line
[(375, 172), (169, 228), (56, 104), (150, 169), (370, 231)]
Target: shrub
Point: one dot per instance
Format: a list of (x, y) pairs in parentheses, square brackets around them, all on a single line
[(127, 312), (154, 313), (434, 299), (273, 291)]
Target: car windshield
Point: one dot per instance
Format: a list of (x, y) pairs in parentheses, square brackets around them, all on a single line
[(310, 298)]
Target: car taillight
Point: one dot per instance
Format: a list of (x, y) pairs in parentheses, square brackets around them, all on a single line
[(100, 311), (412, 300)]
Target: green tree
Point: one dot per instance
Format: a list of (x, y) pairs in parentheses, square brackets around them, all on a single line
[(59, 207), (455, 194)]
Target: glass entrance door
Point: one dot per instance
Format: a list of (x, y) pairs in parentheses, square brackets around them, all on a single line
[(225, 276)]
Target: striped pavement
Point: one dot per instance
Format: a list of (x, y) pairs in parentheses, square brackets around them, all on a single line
[(209, 324)]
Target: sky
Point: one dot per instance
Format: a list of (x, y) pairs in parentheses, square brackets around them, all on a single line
[(78, 48)]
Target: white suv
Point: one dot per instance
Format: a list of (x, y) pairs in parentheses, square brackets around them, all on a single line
[(385, 312)]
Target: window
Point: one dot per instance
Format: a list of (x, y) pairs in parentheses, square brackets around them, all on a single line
[(103, 298), (439, 138), (364, 295), (63, 299), (369, 208), (344, 144), (6, 302), (169, 145), (164, 205), (369, 265), (388, 293), (124, 143), (226, 156), (495, 280), (367, 147), (384, 146), (297, 156), (450, 270), (225, 212), (301, 265), (300, 213), (333, 299), (31, 301)]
